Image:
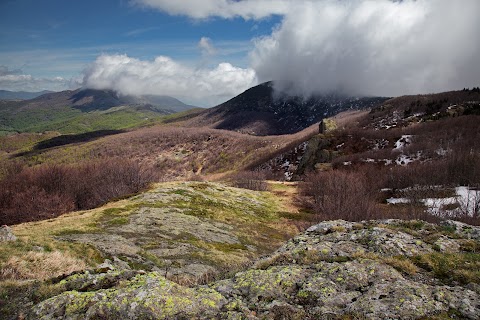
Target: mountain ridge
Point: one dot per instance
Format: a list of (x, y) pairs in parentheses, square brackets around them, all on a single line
[(83, 110), (86, 99), (21, 95), (262, 111)]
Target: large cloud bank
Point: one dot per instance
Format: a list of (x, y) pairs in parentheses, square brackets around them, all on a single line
[(167, 77), (374, 47), (377, 47)]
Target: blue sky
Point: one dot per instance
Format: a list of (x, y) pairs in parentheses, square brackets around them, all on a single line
[(206, 51), (51, 38)]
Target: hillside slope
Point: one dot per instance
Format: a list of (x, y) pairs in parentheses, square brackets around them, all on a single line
[(84, 110), (262, 111), (400, 131), (20, 95)]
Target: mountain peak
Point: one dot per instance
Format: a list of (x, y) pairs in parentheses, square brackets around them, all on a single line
[(261, 110)]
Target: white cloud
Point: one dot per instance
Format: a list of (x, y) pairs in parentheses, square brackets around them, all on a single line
[(14, 80), (206, 46), (201, 9), (379, 47), (164, 76), (375, 47)]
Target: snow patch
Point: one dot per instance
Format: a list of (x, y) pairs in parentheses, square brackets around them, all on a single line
[(404, 159), (405, 140), (441, 152), (397, 200), (465, 202)]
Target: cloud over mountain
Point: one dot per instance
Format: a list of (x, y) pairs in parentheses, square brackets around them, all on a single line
[(164, 76), (379, 47), (374, 47)]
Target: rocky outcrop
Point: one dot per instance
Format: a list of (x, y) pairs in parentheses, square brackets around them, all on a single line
[(336, 269), (187, 230)]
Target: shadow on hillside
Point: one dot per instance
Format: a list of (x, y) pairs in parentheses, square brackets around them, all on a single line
[(90, 100), (67, 139)]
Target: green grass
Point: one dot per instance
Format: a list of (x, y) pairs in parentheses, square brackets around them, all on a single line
[(227, 247), (93, 121), (36, 120), (24, 141), (68, 120), (451, 267), (299, 216), (118, 221)]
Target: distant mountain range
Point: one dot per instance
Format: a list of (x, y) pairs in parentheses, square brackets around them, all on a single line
[(20, 95), (91, 99), (262, 111), (84, 110), (258, 111)]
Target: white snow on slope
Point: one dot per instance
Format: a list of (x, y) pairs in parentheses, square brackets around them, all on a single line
[(466, 201), (406, 139)]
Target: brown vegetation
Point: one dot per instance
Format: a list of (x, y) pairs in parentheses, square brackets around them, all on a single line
[(355, 193), (339, 195), (47, 191), (40, 265), (175, 152), (52, 185), (252, 180)]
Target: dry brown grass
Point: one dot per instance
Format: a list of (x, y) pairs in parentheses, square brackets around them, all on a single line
[(40, 266), (402, 264), (348, 118)]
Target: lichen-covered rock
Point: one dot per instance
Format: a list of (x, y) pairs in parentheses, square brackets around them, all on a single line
[(144, 296), (187, 230), (257, 286), (371, 238), (6, 234), (463, 229), (444, 244), (334, 270)]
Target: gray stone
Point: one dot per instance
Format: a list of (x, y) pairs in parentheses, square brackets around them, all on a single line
[(6, 234), (463, 229)]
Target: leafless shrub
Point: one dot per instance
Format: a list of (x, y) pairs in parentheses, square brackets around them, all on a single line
[(339, 195), (50, 190), (458, 168), (252, 180), (469, 207), (11, 167), (196, 177)]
